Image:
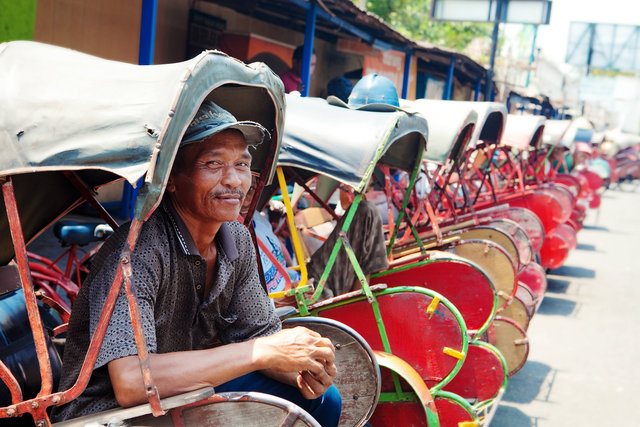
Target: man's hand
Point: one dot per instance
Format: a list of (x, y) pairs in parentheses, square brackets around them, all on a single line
[(301, 351), (313, 386)]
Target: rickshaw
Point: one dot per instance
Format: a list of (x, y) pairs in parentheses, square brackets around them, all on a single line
[(419, 337), (493, 222), (451, 229), (523, 136), (451, 200), (73, 124), (624, 155)]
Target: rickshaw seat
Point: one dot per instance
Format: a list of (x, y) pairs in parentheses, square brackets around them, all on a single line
[(17, 348), (71, 232), (120, 415), (204, 407)]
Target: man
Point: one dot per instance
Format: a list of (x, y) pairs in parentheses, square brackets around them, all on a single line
[(365, 236), (292, 77), (196, 282)]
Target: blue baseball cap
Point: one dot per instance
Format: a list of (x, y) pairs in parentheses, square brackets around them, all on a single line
[(211, 119)]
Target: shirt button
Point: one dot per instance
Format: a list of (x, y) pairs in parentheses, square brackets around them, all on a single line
[(198, 287), (198, 262)]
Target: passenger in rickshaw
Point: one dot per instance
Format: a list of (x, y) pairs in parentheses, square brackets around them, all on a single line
[(372, 92), (560, 158), (365, 236), (206, 319), (582, 152)]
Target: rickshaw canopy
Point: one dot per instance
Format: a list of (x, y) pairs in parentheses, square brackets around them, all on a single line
[(491, 122), (105, 120), (622, 139), (454, 123), (554, 132), (346, 144), (523, 131)]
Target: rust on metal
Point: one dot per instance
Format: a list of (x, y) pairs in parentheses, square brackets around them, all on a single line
[(25, 278), (89, 196), (10, 381), (143, 352)]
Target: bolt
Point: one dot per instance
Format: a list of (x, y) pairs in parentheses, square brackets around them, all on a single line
[(338, 346), (34, 405), (356, 397), (56, 399), (11, 412), (125, 260)]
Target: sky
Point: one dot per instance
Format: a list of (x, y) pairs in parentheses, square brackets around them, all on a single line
[(552, 38)]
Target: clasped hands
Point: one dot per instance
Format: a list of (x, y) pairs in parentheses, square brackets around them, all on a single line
[(302, 351)]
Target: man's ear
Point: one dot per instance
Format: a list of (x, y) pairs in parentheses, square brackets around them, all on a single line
[(171, 185)]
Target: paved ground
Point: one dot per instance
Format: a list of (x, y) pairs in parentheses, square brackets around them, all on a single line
[(583, 363)]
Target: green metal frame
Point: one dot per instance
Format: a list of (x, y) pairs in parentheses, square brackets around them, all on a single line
[(405, 202), (459, 400), (383, 335), (409, 266)]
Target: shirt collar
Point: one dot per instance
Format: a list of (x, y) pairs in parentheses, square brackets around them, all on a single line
[(224, 238)]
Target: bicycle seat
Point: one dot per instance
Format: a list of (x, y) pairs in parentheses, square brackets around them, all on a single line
[(80, 233)]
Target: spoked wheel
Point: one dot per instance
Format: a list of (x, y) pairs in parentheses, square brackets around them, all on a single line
[(358, 379)]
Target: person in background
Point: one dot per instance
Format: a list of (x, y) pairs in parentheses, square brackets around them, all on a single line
[(292, 77), (582, 152), (340, 87)]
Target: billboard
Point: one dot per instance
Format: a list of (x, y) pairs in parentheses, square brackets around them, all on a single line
[(536, 12), (610, 47)]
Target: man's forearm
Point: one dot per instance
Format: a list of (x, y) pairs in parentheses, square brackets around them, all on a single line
[(296, 356), (180, 372)]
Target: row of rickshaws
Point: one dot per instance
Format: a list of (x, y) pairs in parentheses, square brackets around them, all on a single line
[(475, 212)]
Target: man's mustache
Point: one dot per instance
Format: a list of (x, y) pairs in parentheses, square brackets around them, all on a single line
[(235, 191)]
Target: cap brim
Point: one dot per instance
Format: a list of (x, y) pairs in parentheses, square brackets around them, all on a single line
[(254, 133), (334, 100), (385, 108)]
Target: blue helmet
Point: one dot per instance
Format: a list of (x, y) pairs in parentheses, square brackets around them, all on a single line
[(374, 92)]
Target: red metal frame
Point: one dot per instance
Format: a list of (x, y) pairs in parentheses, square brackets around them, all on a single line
[(46, 398)]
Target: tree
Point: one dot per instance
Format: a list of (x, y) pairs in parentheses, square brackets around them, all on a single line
[(411, 18)]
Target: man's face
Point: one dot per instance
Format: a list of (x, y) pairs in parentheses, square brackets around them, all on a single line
[(213, 179)]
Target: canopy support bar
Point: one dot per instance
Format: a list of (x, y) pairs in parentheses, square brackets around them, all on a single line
[(448, 87), (307, 53)]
